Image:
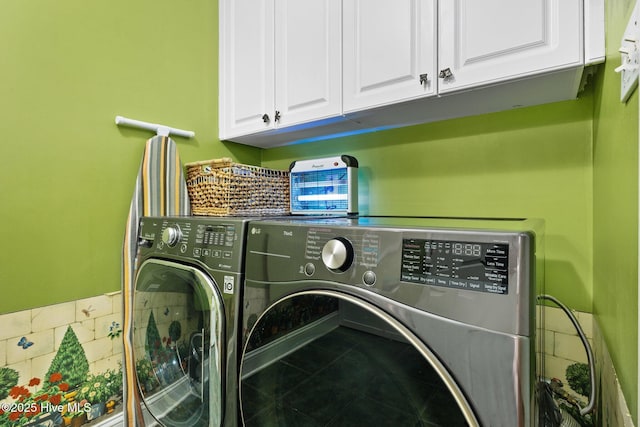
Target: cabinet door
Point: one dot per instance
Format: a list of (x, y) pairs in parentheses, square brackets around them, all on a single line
[(488, 41), (246, 81), (308, 60), (389, 51)]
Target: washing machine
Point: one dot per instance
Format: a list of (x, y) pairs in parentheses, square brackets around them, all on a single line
[(186, 319), (391, 321)]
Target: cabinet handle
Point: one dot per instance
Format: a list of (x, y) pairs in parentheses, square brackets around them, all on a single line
[(424, 78), (445, 74), (277, 117), (265, 118)]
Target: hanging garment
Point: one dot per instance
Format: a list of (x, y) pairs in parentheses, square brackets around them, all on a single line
[(160, 191)]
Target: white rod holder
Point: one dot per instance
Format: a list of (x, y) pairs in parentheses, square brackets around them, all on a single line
[(161, 130)]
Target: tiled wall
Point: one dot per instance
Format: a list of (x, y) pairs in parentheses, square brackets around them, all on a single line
[(92, 320), (613, 408), (562, 347)]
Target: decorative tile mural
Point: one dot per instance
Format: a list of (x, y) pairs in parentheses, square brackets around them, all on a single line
[(613, 409), (563, 355), (565, 361), (61, 364)]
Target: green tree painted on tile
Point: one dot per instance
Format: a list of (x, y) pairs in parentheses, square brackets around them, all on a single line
[(70, 360), (8, 379), (578, 378), (153, 336)]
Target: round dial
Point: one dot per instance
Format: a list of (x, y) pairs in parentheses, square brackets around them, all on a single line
[(337, 254), (171, 235)]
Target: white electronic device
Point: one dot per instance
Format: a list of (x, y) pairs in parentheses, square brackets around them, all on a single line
[(324, 186)]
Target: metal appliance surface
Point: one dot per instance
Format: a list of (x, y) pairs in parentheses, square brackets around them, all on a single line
[(186, 317), (459, 292)]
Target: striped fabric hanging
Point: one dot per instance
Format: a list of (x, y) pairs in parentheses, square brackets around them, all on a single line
[(160, 191)]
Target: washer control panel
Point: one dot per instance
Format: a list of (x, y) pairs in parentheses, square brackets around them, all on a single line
[(214, 242), (171, 235)]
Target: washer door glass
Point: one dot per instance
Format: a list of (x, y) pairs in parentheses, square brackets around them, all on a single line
[(178, 324), (322, 358)]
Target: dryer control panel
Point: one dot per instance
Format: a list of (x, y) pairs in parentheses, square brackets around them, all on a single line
[(483, 277), (476, 266)]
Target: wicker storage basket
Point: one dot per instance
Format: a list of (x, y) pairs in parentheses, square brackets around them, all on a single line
[(220, 187)]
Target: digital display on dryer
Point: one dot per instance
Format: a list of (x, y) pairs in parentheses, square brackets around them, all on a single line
[(481, 267)]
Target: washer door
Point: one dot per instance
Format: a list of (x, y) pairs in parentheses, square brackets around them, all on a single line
[(325, 358), (177, 340)]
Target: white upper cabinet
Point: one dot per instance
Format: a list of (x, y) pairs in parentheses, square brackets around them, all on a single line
[(389, 51), (246, 82), (489, 41), (301, 70), (308, 60), (280, 64)]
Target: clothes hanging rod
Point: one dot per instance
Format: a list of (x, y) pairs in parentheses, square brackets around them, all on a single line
[(161, 130)]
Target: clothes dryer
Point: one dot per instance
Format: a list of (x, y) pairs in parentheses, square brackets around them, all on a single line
[(186, 317), (390, 321)]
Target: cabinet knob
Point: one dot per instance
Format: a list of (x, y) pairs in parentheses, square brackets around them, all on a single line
[(424, 78), (445, 74), (277, 116), (265, 118)]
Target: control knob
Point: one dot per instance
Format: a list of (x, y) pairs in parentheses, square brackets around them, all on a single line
[(337, 254), (171, 235)]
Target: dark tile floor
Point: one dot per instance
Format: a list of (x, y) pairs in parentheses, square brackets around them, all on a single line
[(349, 378)]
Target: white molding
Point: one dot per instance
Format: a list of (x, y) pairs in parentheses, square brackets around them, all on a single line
[(594, 32)]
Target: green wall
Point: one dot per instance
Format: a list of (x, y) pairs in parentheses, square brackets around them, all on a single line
[(531, 163), (67, 172), (615, 215), (574, 164)]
